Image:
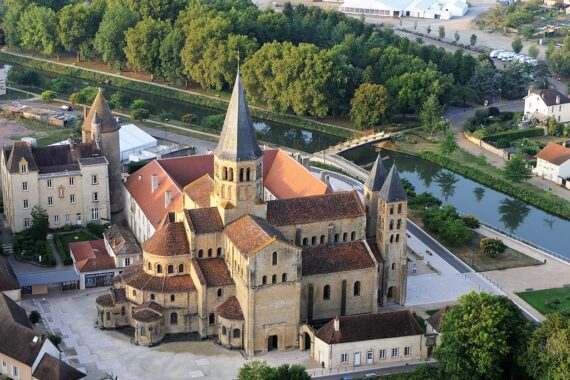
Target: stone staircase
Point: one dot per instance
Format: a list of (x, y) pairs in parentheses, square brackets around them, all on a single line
[(7, 249)]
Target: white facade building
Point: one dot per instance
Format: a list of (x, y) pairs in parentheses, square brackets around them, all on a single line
[(543, 104), (553, 164), (435, 9), (134, 140)]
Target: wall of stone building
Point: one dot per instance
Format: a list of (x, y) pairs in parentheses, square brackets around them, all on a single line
[(326, 309), (110, 317), (24, 370), (212, 302), (331, 354), (228, 337), (164, 262), (153, 332), (61, 191), (208, 245), (101, 187), (111, 150), (371, 205), (13, 198), (312, 233)]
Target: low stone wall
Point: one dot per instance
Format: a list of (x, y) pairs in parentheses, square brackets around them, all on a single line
[(488, 147)]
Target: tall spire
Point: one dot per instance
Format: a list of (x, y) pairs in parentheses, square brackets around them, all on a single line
[(392, 190), (238, 141), (377, 175), (101, 109)]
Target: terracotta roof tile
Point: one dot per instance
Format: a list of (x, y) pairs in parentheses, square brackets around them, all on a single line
[(135, 276), (199, 190), (146, 315), (374, 249), (170, 240), (91, 256), (338, 258), (361, 327), (55, 369), (214, 271), (230, 309), (105, 300), (250, 233), (435, 319), (317, 208), (554, 153), (204, 220)]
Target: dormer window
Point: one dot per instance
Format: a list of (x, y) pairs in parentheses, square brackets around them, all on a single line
[(23, 168)]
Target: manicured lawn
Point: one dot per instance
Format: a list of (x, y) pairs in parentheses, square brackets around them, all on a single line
[(62, 241), (548, 301)]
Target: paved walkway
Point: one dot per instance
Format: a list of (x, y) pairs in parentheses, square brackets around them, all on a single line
[(55, 251)]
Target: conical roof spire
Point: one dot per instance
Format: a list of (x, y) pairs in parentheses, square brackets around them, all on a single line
[(101, 109), (377, 175), (238, 141), (392, 190)]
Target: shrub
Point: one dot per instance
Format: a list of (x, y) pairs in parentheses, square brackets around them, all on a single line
[(471, 222), (35, 316), (141, 104), (492, 247), (96, 229), (55, 339), (140, 114), (515, 134), (47, 96), (60, 85), (214, 121), (188, 118), (85, 96)]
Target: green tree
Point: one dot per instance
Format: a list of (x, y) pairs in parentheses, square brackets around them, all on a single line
[(40, 224), (170, 63), (60, 85), (85, 96), (260, 370), (139, 104), (481, 159), (482, 338), (430, 114), (143, 43), (24, 77), (441, 31), (449, 143), (457, 36), (11, 21), (158, 9), (119, 100), (533, 51), (555, 128), (77, 25), (38, 27), (473, 40), (492, 247), (428, 29), (471, 221), (47, 95), (140, 114), (559, 59), (35, 316), (548, 351), (110, 37), (369, 106), (516, 169), (517, 44)]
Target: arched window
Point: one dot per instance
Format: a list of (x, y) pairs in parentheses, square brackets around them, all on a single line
[(344, 236), (353, 235), (241, 175), (274, 258), (172, 298), (391, 209), (170, 269), (174, 319), (327, 292), (237, 333), (274, 279), (219, 252), (209, 252), (399, 224), (211, 319), (399, 208), (264, 280), (224, 331), (200, 253), (314, 240), (305, 241), (123, 311), (391, 224), (391, 238), (336, 236), (134, 292), (152, 296), (225, 173), (393, 266), (356, 288), (397, 238), (284, 277), (231, 174), (181, 268), (149, 266), (220, 292), (159, 268), (248, 174), (322, 239)]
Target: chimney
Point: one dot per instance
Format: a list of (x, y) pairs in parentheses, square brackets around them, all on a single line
[(328, 180), (530, 90), (305, 162), (557, 99), (167, 198), (336, 324), (154, 183)]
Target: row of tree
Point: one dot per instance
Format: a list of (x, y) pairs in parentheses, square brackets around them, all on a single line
[(304, 60)]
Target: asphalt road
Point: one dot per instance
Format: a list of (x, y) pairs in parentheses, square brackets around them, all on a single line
[(377, 371), (438, 249)]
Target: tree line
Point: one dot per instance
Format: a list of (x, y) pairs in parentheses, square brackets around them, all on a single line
[(303, 60)]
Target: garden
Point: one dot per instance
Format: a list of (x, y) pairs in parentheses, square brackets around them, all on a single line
[(31, 245), (64, 239), (549, 301)]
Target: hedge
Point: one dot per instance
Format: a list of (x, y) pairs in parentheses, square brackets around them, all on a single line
[(515, 134), (171, 93), (555, 206)]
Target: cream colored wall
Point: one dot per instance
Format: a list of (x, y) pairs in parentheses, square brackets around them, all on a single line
[(102, 188), (14, 198), (137, 221), (341, 227), (331, 354), (15, 295), (24, 369), (322, 309), (165, 261)]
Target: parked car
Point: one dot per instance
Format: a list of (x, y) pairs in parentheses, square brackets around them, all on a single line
[(495, 53), (66, 108)]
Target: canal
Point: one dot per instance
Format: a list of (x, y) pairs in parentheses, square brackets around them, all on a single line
[(491, 207), (292, 137)]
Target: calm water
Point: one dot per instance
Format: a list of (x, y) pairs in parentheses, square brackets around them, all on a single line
[(490, 206), (296, 138)]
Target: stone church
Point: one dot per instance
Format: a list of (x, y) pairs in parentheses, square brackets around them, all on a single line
[(256, 274)]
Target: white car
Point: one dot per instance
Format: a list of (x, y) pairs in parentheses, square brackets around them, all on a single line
[(495, 53), (502, 54)]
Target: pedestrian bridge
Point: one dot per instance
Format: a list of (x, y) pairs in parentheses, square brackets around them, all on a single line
[(355, 143)]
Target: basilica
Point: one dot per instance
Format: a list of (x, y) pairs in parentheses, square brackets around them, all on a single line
[(256, 273)]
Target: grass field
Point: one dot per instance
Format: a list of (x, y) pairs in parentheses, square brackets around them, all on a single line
[(62, 241), (548, 301)]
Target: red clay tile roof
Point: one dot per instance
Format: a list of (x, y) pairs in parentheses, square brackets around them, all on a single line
[(286, 178), (115, 296), (204, 220), (55, 369), (374, 249), (105, 300), (230, 309), (199, 190), (554, 153), (146, 315), (333, 206), (250, 233), (150, 305), (91, 256), (214, 272), (361, 327), (170, 240), (338, 258), (185, 170), (8, 279), (135, 276)]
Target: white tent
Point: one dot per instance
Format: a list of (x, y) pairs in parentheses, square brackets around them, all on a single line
[(134, 140), (436, 9)]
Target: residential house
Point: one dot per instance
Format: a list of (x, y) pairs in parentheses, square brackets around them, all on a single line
[(553, 164), (543, 104)]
